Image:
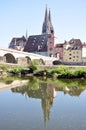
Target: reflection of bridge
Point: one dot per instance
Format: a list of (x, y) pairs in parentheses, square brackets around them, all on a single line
[(14, 56)]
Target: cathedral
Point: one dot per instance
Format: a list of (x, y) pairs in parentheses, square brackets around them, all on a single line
[(42, 44)]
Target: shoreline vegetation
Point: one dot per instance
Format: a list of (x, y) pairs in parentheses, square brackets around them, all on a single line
[(34, 69)]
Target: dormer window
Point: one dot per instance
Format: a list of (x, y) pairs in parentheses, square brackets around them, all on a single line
[(34, 38), (43, 40), (33, 43), (39, 47)]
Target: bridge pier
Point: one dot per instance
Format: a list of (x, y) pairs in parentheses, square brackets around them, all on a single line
[(2, 59), (22, 61)]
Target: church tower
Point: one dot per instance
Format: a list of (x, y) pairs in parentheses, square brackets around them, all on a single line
[(47, 27)]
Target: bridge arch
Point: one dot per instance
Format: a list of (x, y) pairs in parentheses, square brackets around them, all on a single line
[(56, 62), (10, 58), (28, 59), (41, 62)]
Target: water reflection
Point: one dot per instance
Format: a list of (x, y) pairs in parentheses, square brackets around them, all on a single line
[(44, 91), (47, 91)]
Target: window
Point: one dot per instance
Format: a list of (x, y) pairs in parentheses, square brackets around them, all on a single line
[(57, 49), (51, 55), (33, 44), (50, 42), (38, 47), (34, 38)]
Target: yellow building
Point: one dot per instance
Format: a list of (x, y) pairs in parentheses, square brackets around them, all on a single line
[(72, 52)]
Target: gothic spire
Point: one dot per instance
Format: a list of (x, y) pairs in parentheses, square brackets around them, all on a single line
[(51, 26), (47, 27), (49, 16), (46, 14)]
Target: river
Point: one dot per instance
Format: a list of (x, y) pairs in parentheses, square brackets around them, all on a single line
[(42, 104)]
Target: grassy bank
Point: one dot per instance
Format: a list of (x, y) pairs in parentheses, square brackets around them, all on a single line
[(60, 71), (63, 72)]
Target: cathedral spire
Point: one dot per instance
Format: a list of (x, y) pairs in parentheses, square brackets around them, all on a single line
[(46, 14), (51, 26), (49, 16), (47, 27)]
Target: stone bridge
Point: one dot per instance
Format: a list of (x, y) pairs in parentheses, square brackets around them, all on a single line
[(22, 58)]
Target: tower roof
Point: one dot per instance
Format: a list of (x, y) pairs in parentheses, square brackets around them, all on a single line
[(47, 27), (46, 14), (49, 15)]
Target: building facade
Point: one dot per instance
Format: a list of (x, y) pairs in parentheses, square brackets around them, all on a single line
[(18, 43), (84, 53), (72, 52), (58, 51)]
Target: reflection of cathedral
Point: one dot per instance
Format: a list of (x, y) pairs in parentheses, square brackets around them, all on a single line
[(47, 101), (46, 92)]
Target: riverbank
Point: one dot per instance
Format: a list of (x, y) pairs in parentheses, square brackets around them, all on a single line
[(52, 71)]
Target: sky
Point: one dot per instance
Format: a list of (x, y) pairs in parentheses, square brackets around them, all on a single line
[(18, 16)]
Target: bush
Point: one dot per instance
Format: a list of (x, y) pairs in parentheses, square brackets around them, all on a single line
[(34, 65), (67, 73), (80, 73), (16, 70)]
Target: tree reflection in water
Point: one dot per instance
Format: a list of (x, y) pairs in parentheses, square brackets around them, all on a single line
[(47, 90)]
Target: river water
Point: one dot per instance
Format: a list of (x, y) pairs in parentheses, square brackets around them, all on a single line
[(43, 104)]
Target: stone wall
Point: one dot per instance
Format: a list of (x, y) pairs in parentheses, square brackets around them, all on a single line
[(2, 59), (22, 61)]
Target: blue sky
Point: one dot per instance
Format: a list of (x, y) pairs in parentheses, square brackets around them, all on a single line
[(17, 16)]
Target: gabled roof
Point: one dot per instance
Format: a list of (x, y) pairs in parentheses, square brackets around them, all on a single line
[(37, 43), (18, 39), (74, 44), (59, 45)]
